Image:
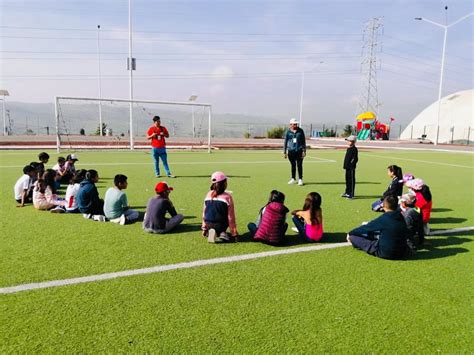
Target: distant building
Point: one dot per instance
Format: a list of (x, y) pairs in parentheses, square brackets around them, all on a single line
[(456, 120)]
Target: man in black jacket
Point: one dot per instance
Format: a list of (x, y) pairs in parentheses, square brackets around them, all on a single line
[(350, 163), (385, 236)]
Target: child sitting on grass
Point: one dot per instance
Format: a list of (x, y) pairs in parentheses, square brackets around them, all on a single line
[(72, 189), (218, 213), (423, 201), (22, 189), (44, 199), (413, 220), (309, 220), (271, 224), (88, 201), (116, 207), (155, 220), (384, 237), (395, 188), (43, 159)]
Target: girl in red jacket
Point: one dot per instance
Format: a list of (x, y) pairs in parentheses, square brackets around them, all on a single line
[(271, 224), (423, 201)]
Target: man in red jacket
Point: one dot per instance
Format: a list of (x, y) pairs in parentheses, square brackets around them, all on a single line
[(157, 134)]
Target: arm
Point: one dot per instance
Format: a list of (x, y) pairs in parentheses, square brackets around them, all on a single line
[(165, 132), (24, 195), (373, 226), (170, 208), (303, 143), (285, 143), (150, 134), (231, 217), (355, 158)]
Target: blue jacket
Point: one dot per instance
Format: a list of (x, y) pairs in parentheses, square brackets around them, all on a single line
[(87, 197), (392, 243), (290, 144)]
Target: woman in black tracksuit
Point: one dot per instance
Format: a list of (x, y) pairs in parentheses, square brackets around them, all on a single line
[(295, 150)]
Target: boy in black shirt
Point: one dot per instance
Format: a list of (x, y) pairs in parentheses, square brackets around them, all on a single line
[(350, 163)]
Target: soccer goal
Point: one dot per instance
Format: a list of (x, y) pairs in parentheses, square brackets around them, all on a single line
[(89, 122)]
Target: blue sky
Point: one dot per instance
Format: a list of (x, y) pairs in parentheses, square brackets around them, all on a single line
[(242, 56)]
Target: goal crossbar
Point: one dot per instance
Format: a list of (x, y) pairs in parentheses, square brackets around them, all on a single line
[(157, 102)]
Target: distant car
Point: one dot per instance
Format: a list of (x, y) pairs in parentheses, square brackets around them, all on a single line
[(423, 139)]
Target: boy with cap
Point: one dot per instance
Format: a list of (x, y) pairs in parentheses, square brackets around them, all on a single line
[(69, 168), (350, 163), (155, 220), (116, 207)]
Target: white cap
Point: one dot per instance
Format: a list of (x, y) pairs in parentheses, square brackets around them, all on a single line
[(351, 138), (293, 121)]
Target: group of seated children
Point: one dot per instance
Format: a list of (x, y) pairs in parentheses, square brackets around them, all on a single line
[(404, 224), (402, 227)]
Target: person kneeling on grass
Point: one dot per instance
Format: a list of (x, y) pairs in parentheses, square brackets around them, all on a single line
[(271, 224), (218, 213), (88, 201), (385, 236), (22, 189), (116, 207), (155, 220)]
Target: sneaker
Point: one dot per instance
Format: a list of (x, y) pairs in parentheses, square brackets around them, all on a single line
[(116, 220), (294, 229), (350, 197), (225, 238), (99, 218), (300, 182), (171, 176), (123, 220), (58, 209), (345, 195), (291, 182), (87, 215), (211, 235)]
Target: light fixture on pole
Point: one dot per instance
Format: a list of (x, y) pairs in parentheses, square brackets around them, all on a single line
[(445, 27), (302, 92), (193, 98), (99, 79), (4, 93)]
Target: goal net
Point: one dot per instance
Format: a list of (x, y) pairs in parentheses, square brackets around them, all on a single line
[(86, 122)]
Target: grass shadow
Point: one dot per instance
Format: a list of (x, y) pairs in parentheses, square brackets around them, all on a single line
[(341, 183), (184, 228), (207, 176), (441, 210), (295, 239), (447, 220), (432, 250), (366, 197)]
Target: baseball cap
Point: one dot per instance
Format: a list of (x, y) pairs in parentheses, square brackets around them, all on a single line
[(218, 176), (415, 184), (162, 186), (407, 177), (72, 157), (351, 138), (293, 121), (408, 198)]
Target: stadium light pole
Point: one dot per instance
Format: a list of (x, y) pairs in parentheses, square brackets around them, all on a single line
[(4, 93), (99, 79), (445, 27), (302, 93), (131, 67), (193, 98)]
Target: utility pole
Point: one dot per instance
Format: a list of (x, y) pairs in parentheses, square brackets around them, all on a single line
[(99, 79), (368, 98)]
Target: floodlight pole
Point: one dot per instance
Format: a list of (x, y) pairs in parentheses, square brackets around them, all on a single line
[(193, 98), (445, 27), (4, 117), (130, 68), (209, 131), (101, 131), (301, 98)]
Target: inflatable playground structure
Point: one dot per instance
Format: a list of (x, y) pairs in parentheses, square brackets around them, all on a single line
[(369, 128)]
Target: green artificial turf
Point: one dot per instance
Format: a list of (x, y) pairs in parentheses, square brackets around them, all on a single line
[(332, 300)]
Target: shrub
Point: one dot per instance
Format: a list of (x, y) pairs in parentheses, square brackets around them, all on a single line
[(276, 132)]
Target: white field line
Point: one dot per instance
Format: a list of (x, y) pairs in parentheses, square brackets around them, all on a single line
[(451, 231), (163, 268), (421, 161), (396, 148), (282, 161), (187, 265), (322, 159)]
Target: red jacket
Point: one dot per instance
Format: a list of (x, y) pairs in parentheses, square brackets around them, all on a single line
[(424, 206), (272, 224)]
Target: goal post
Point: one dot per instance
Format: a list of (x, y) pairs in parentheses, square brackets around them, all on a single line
[(81, 110)]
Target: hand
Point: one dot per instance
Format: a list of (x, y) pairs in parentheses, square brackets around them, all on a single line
[(303, 154), (285, 155)]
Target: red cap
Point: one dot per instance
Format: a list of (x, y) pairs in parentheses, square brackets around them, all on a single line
[(162, 187)]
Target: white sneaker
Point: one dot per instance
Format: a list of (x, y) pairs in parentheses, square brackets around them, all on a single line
[(123, 220), (87, 215), (300, 182), (211, 235), (291, 182), (99, 218), (294, 229), (58, 209)]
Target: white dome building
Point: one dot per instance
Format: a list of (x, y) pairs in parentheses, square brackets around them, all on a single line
[(456, 122)]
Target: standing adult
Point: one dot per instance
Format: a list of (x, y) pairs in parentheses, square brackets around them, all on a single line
[(157, 134), (295, 150), (350, 162)]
